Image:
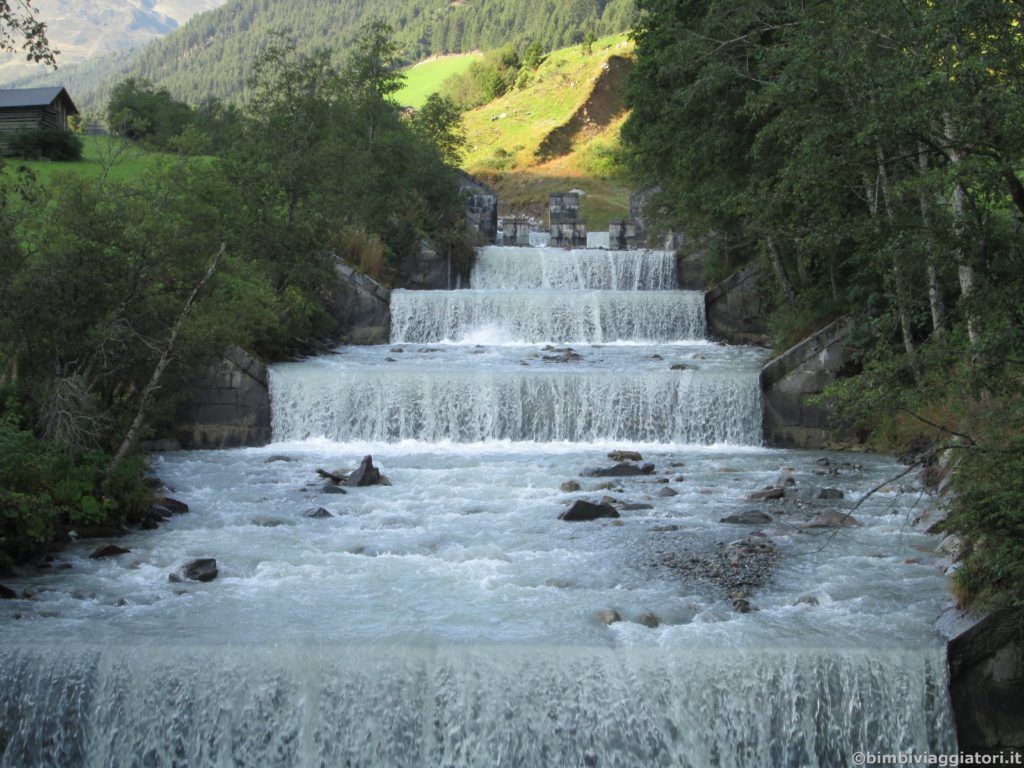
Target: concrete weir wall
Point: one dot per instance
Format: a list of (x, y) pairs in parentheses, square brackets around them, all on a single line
[(361, 306), (793, 378), (230, 407), (986, 683), (737, 308)]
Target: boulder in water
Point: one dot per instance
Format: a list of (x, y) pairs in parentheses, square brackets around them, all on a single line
[(679, 367), (203, 569), (832, 519), (109, 550), (608, 616), (171, 506), (365, 475), (583, 511), (767, 494), (279, 457), (623, 469), (635, 506), (569, 486), (317, 514), (332, 490), (7, 594), (667, 493), (830, 494), (650, 620), (750, 517), (625, 456)]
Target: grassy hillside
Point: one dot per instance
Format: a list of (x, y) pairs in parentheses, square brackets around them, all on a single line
[(560, 132), (426, 77), (123, 161), (213, 53)]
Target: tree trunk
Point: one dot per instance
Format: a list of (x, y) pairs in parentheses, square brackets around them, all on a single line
[(934, 287), (965, 272), (154, 381), (780, 273), (899, 278)]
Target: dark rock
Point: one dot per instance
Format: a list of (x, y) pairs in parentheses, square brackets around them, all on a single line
[(664, 528), (7, 594), (832, 519), (365, 475), (171, 506), (767, 494), (338, 476), (662, 481), (149, 525), (650, 620), (390, 360), (608, 616), (623, 469), (584, 511), (279, 457), (317, 514), (679, 367), (203, 569), (666, 493), (750, 517), (830, 493), (810, 600), (569, 486), (332, 490), (153, 483), (742, 605), (621, 456), (635, 507), (109, 550), (397, 350)]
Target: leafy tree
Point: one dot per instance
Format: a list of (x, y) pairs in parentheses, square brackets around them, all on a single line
[(19, 24)]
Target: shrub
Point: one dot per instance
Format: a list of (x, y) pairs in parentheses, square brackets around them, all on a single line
[(51, 143)]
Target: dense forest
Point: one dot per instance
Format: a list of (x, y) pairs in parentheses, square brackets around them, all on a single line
[(110, 293), (211, 55), (870, 157)]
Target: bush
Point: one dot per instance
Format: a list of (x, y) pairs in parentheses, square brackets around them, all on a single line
[(51, 143)]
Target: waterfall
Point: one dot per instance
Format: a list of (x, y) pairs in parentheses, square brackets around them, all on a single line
[(522, 268), (534, 316), (544, 406), (327, 706)]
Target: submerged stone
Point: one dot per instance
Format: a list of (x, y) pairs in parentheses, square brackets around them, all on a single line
[(623, 469)]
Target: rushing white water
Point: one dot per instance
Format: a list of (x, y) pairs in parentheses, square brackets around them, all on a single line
[(504, 268), (451, 618), (547, 316), (530, 395)]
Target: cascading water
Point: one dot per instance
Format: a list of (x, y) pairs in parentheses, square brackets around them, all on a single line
[(450, 618)]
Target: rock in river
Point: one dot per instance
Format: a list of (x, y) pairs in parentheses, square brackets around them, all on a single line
[(832, 519), (623, 469), (569, 486), (367, 474), (203, 569), (584, 511), (625, 456), (750, 517), (109, 550), (317, 514)]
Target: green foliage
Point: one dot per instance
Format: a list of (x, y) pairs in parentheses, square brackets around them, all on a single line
[(426, 78), (869, 155), (140, 112), (51, 143), (485, 80)]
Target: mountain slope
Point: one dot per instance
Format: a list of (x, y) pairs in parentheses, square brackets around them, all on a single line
[(559, 132), (212, 54), (85, 29)]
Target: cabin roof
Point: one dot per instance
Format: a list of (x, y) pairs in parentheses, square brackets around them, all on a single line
[(14, 98)]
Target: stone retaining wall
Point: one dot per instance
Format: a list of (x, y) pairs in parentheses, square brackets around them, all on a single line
[(737, 308), (361, 306), (230, 407), (793, 378)]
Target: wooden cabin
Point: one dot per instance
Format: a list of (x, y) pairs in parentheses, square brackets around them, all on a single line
[(24, 109)]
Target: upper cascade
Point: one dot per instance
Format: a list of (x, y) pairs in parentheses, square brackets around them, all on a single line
[(536, 316), (504, 268)]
